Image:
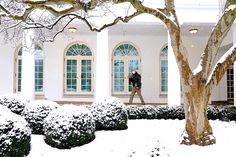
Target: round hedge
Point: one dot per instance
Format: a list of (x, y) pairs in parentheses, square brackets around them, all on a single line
[(14, 102), (69, 126), (110, 114), (35, 113), (14, 134)]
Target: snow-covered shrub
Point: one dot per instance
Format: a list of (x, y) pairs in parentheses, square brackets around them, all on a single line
[(149, 112), (14, 134), (213, 112), (224, 113), (133, 112), (228, 113), (163, 112), (109, 114), (176, 112), (69, 126), (155, 112), (35, 113), (14, 102)]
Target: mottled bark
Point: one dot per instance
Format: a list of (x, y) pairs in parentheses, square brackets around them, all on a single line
[(197, 128), (221, 67), (216, 38)]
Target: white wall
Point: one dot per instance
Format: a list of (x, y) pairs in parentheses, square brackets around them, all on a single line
[(54, 68), (149, 47)]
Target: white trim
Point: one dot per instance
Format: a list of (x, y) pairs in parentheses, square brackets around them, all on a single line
[(78, 59)]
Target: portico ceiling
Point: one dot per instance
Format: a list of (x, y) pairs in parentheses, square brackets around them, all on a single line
[(145, 28), (199, 14)]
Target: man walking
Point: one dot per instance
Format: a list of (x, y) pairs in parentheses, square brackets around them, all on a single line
[(136, 81)]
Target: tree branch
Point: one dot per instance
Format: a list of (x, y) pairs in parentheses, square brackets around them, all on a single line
[(215, 40), (75, 16), (221, 67), (169, 18)]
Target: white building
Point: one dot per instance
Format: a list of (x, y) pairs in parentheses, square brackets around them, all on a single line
[(77, 68)]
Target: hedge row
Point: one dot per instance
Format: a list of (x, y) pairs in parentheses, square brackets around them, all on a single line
[(225, 113)]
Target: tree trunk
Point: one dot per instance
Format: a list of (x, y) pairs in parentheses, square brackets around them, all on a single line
[(197, 128)]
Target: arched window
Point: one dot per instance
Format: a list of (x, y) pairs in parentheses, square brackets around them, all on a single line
[(78, 70), (125, 57), (164, 70), (39, 55)]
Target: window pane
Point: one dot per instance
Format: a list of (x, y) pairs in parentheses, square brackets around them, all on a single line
[(19, 75), (20, 52), (38, 75), (132, 64), (38, 52), (164, 75), (118, 76), (230, 84), (126, 50), (71, 76), (119, 52), (79, 49), (86, 76), (83, 88), (83, 82), (164, 88), (88, 83), (83, 75), (164, 52)]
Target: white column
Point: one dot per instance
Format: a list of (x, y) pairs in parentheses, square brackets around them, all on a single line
[(28, 65), (174, 94), (102, 79), (234, 42)]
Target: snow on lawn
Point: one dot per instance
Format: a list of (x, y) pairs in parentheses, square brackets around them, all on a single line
[(141, 138)]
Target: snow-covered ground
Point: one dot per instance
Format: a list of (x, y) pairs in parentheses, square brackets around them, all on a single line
[(141, 139)]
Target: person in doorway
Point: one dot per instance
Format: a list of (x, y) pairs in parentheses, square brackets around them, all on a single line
[(135, 79)]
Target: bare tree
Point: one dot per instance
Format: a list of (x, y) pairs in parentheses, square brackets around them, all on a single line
[(50, 17), (197, 85)]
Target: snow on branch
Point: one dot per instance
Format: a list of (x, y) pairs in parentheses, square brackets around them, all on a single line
[(221, 67), (165, 15), (216, 38), (91, 27), (50, 19)]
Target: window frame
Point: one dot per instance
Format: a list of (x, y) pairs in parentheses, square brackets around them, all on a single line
[(230, 88), (78, 59), (163, 58), (36, 57), (126, 60)]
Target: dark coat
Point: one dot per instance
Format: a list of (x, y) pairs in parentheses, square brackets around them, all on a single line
[(136, 80)]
